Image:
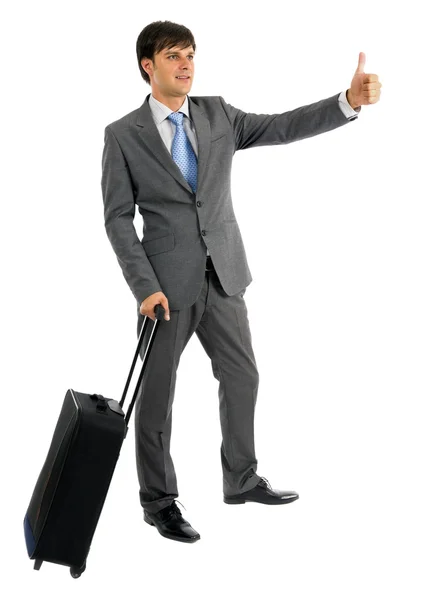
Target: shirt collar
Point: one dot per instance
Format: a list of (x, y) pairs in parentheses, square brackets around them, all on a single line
[(160, 111)]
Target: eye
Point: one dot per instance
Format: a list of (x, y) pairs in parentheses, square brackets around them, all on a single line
[(172, 55)]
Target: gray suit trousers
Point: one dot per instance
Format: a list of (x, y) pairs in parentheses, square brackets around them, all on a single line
[(221, 324)]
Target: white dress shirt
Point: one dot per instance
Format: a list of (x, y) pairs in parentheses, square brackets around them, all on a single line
[(167, 128)]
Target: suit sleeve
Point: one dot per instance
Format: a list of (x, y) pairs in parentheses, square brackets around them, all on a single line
[(251, 130), (119, 210)]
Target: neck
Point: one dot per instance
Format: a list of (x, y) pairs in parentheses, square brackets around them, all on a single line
[(173, 102)]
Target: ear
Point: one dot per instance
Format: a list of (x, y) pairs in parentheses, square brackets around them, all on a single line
[(146, 64)]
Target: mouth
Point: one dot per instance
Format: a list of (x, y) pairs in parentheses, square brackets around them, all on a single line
[(183, 78)]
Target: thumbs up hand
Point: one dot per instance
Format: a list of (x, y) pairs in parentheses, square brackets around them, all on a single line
[(365, 87)]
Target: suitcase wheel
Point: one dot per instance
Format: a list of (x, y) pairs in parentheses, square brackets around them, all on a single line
[(76, 571)]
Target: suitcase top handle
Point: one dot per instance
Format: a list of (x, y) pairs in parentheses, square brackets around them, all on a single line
[(101, 405)]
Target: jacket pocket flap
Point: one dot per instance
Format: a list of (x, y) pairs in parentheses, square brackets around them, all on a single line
[(219, 136), (158, 245)]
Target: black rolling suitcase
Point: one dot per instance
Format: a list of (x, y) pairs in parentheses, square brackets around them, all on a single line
[(71, 489)]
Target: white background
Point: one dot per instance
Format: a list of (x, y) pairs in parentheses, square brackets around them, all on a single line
[(334, 232)]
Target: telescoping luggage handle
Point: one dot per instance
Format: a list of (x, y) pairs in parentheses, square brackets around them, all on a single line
[(159, 314)]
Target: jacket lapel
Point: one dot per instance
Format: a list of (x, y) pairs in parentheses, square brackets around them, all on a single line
[(152, 140)]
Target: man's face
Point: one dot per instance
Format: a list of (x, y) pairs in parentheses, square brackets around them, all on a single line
[(169, 64)]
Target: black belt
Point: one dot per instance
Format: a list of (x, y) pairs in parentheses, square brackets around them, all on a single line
[(209, 265)]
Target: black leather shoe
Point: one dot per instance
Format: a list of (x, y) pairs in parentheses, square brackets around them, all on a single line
[(264, 493), (170, 524)]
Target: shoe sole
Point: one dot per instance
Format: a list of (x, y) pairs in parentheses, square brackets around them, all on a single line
[(241, 501), (171, 536)]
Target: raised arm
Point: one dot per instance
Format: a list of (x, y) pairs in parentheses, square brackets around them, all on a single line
[(251, 130)]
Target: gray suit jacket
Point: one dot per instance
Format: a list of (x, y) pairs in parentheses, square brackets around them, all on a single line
[(178, 225)]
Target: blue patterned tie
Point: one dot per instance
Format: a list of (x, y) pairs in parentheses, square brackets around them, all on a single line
[(182, 151)]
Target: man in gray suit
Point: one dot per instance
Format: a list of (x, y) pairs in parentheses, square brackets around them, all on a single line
[(172, 157)]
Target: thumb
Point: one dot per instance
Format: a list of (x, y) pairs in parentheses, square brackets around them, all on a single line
[(362, 60), (167, 310)]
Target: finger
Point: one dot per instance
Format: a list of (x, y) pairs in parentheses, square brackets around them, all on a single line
[(372, 99), (361, 63), (370, 77), (371, 94), (164, 303), (372, 86)]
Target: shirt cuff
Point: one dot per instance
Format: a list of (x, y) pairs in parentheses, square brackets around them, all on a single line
[(344, 105)]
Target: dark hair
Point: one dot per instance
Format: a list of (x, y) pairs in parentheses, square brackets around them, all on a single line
[(160, 35)]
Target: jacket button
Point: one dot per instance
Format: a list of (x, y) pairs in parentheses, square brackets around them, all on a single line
[(204, 232), (199, 203)]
